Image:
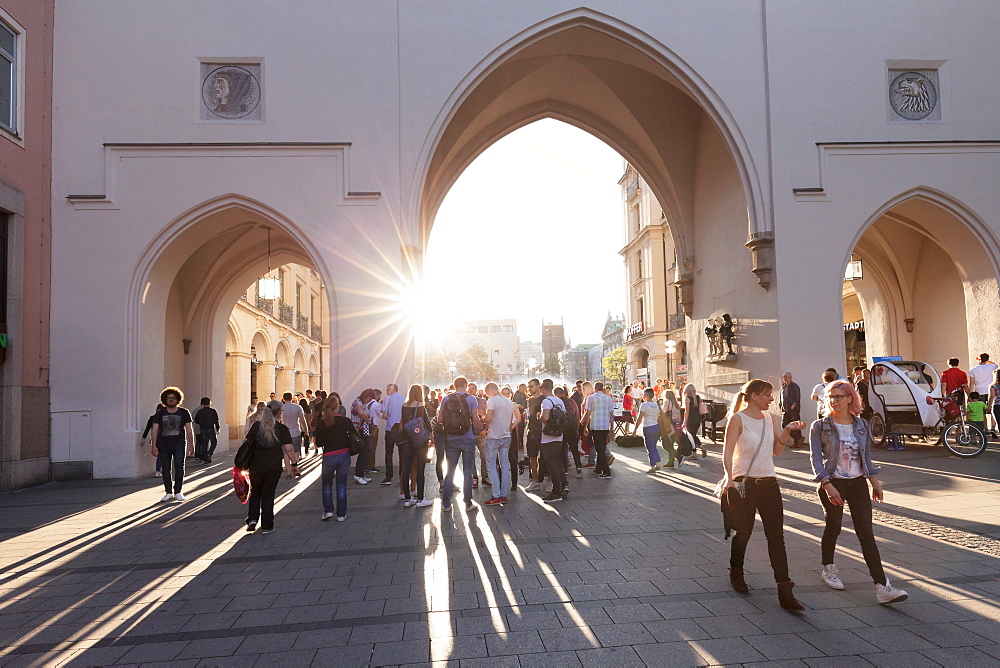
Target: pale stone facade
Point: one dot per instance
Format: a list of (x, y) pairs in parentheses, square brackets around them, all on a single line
[(776, 137), (655, 310), (277, 345)]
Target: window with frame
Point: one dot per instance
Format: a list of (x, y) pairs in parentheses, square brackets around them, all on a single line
[(8, 76), (494, 329), (508, 328)]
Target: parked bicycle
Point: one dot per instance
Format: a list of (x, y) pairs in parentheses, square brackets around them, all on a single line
[(960, 436)]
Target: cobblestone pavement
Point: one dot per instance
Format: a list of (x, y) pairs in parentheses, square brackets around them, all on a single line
[(627, 571)]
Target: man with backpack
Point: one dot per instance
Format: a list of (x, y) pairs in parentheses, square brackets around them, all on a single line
[(459, 417), (554, 420)]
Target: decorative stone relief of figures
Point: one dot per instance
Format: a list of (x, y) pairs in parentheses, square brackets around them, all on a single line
[(913, 96), (720, 333)]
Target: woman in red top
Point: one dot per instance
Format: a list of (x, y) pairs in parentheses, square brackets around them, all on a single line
[(627, 406)]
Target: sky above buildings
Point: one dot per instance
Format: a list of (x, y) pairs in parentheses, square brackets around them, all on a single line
[(537, 221)]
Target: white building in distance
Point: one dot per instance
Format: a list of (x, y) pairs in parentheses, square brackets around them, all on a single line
[(497, 337)]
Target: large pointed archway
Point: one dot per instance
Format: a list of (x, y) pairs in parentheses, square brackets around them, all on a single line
[(614, 81), (184, 292), (622, 86), (929, 282)]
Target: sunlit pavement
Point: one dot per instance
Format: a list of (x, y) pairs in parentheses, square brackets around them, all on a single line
[(627, 571)]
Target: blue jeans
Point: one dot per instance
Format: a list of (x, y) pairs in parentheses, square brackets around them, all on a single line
[(172, 454), (339, 466), (498, 447), (651, 435), (466, 447)]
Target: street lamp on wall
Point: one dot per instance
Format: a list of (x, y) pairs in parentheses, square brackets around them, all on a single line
[(670, 347), (853, 272)]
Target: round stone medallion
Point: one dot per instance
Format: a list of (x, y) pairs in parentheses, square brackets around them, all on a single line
[(912, 95), (230, 92)]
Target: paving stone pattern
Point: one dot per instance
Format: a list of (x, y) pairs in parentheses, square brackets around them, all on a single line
[(627, 571)]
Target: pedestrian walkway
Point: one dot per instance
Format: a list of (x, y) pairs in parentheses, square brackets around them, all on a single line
[(627, 571)]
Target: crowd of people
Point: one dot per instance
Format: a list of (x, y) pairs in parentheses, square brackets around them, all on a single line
[(545, 431)]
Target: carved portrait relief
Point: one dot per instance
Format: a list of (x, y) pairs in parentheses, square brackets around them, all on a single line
[(913, 96), (230, 92)]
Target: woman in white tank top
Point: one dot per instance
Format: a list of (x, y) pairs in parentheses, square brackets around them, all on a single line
[(753, 439)]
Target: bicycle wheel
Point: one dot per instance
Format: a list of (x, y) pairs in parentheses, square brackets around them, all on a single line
[(964, 440), (877, 426)]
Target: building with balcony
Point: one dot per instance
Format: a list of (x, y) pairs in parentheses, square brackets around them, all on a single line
[(276, 345), (655, 314)]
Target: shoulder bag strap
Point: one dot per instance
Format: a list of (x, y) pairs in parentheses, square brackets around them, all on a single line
[(763, 435)]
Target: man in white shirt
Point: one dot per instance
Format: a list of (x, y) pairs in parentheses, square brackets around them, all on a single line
[(819, 392), (981, 377), (596, 422), (552, 445), (293, 417), (500, 420), (392, 411)]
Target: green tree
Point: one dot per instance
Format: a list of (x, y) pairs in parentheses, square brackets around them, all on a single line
[(433, 367), (475, 364), (551, 365), (615, 364)]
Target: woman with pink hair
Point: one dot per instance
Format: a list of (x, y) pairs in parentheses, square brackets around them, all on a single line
[(841, 446)]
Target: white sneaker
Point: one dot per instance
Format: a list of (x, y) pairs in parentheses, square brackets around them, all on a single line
[(167, 497), (830, 577), (409, 502), (886, 593), (579, 473), (341, 519), (654, 468), (423, 503), (532, 486), (179, 497), (547, 489), (402, 496), (361, 481), (367, 480), (678, 461), (326, 516), (156, 474)]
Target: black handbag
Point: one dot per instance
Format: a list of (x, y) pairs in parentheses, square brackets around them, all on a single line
[(244, 456), (354, 442)]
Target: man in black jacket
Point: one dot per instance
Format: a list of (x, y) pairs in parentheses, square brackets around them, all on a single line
[(207, 420)]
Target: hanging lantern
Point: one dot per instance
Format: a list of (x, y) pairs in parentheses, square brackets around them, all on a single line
[(268, 287)]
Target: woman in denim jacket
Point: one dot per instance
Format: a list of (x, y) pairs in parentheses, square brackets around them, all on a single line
[(841, 447)]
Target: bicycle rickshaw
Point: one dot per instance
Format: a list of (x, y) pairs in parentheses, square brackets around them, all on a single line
[(905, 396)]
